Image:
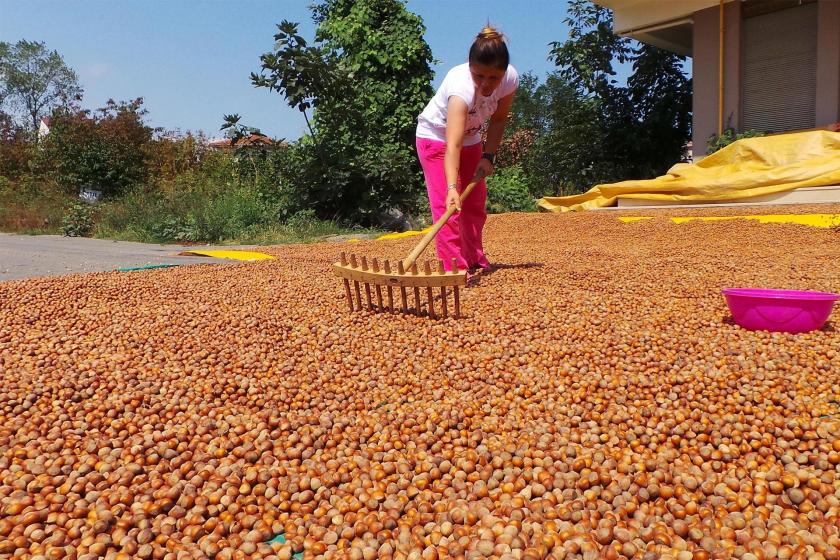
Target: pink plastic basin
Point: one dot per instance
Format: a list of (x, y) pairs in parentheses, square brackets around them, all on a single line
[(779, 310)]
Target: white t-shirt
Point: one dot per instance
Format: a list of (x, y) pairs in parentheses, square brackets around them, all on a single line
[(431, 123)]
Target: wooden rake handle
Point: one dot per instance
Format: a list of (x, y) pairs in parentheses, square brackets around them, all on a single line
[(418, 250)]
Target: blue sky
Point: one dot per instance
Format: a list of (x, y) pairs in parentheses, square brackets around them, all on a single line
[(191, 59)]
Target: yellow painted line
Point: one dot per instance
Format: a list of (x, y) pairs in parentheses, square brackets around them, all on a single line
[(629, 219), (403, 234), (235, 255), (814, 220)]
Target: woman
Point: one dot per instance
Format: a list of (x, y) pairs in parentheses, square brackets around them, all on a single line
[(450, 150)]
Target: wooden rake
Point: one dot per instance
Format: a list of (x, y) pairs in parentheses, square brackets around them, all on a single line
[(405, 276)]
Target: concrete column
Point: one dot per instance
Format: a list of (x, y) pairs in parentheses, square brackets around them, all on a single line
[(732, 66), (704, 77), (828, 63), (705, 73)]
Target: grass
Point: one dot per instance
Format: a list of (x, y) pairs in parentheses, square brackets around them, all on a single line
[(263, 234), (21, 212), (203, 211), (311, 232), (44, 215), (271, 234), (220, 222)]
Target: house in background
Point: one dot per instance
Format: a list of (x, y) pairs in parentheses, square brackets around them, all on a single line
[(44, 127), (768, 65), (251, 140)]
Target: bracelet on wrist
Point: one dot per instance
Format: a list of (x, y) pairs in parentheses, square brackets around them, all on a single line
[(489, 156), (452, 186)]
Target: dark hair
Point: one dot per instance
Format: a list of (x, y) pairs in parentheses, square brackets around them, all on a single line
[(490, 49)]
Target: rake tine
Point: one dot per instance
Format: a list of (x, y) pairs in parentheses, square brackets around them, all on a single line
[(401, 271), (416, 289), (430, 293), (355, 264), (390, 289), (347, 282), (457, 304), (378, 287), (367, 285), (457, 299), (445, 305)]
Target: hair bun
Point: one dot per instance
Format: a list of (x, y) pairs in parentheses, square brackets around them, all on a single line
[(490, 48), (490, 33)]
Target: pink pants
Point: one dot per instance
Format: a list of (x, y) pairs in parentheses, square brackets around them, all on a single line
[(460, 237)]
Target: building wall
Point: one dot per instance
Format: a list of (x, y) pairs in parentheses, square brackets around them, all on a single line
[(705, 73), (632, 15), (705, 69), (828, 62)]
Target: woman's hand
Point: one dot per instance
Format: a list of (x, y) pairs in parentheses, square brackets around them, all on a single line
[(484, 169), (453, 198)]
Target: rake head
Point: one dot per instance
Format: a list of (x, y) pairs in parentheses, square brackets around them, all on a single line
[(383, 277)]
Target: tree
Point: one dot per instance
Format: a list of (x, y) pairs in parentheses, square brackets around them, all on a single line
[(586, 58), (660, 97), (564, 155), (15, 148), (172, 153), (365, 79), (643, 126), (304, 75), (34, 81), (106, 150), (523, 123), (526, 111)]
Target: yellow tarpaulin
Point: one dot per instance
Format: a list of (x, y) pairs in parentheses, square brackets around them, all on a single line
[(402, 234), (815, 220), (744, 169), (235, 255), (397, 235)]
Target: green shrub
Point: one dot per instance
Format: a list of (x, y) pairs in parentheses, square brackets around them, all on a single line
[(514, 147), (170, 154), (302, 219), (303, 231), (29, 205), (507, 191), (716, 142), (16, 148), (78, 221), (105, 150), (229, 214), (203, 214)]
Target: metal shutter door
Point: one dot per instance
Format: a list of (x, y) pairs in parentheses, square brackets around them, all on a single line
[(780, 70)]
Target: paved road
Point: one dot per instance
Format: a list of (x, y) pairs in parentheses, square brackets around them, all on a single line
[(27, 256)]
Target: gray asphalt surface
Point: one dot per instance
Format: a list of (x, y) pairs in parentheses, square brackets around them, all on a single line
[(29, 256)]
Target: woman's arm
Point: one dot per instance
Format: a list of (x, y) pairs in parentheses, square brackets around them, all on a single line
[(498, 121), (456, 122)]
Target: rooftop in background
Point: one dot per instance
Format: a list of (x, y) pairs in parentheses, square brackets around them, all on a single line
[(667, 25), (252, 140)]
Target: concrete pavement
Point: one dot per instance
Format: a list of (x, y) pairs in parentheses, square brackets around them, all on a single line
[(28, 256)]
